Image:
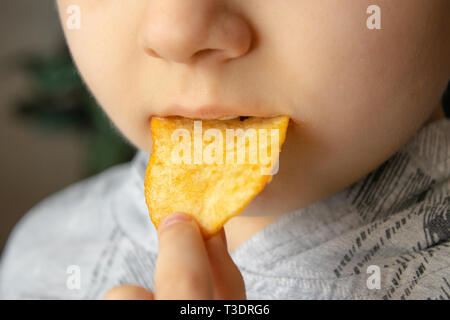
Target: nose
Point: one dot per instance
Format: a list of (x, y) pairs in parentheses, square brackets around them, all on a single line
[(194, 31)]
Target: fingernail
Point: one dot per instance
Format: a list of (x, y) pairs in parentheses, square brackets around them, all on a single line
[(173, 218)]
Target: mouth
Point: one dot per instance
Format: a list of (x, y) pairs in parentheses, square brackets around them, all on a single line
[(229, 118), (214, 112)]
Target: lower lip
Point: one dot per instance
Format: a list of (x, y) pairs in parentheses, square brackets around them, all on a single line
[(228, 118)]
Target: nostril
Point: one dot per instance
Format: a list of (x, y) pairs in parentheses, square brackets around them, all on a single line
[(203, 52), (152, 53), (207, 54)]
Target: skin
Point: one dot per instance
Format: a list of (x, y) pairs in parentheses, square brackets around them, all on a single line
[(354, 95)]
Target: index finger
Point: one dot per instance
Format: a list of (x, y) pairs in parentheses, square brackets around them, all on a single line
[(182, 268)]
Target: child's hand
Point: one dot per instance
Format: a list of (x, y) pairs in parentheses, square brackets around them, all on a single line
[(188, 267)]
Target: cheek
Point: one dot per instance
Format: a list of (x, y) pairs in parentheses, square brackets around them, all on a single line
[(105, 50), (362, 89)]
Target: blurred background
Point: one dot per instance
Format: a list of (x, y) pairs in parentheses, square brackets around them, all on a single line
[(52, 133)]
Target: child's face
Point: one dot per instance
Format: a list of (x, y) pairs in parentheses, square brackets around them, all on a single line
[(355, 95)]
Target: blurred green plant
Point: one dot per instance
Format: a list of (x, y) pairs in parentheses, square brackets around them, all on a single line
[(59, 100)]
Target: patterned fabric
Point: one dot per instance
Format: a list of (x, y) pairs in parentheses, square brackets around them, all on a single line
[(393, 223)]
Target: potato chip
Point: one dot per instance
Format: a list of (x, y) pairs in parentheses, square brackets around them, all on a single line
[(210, 169)]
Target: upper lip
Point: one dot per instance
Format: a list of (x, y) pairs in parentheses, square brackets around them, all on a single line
[(212, 111)]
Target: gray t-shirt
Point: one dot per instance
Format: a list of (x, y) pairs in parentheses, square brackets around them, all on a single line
[(384, 237)]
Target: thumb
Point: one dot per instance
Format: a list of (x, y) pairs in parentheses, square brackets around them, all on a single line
[(182, 268), (128, 292)]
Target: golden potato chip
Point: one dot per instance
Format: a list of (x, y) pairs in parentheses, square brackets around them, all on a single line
[(210, 169)]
